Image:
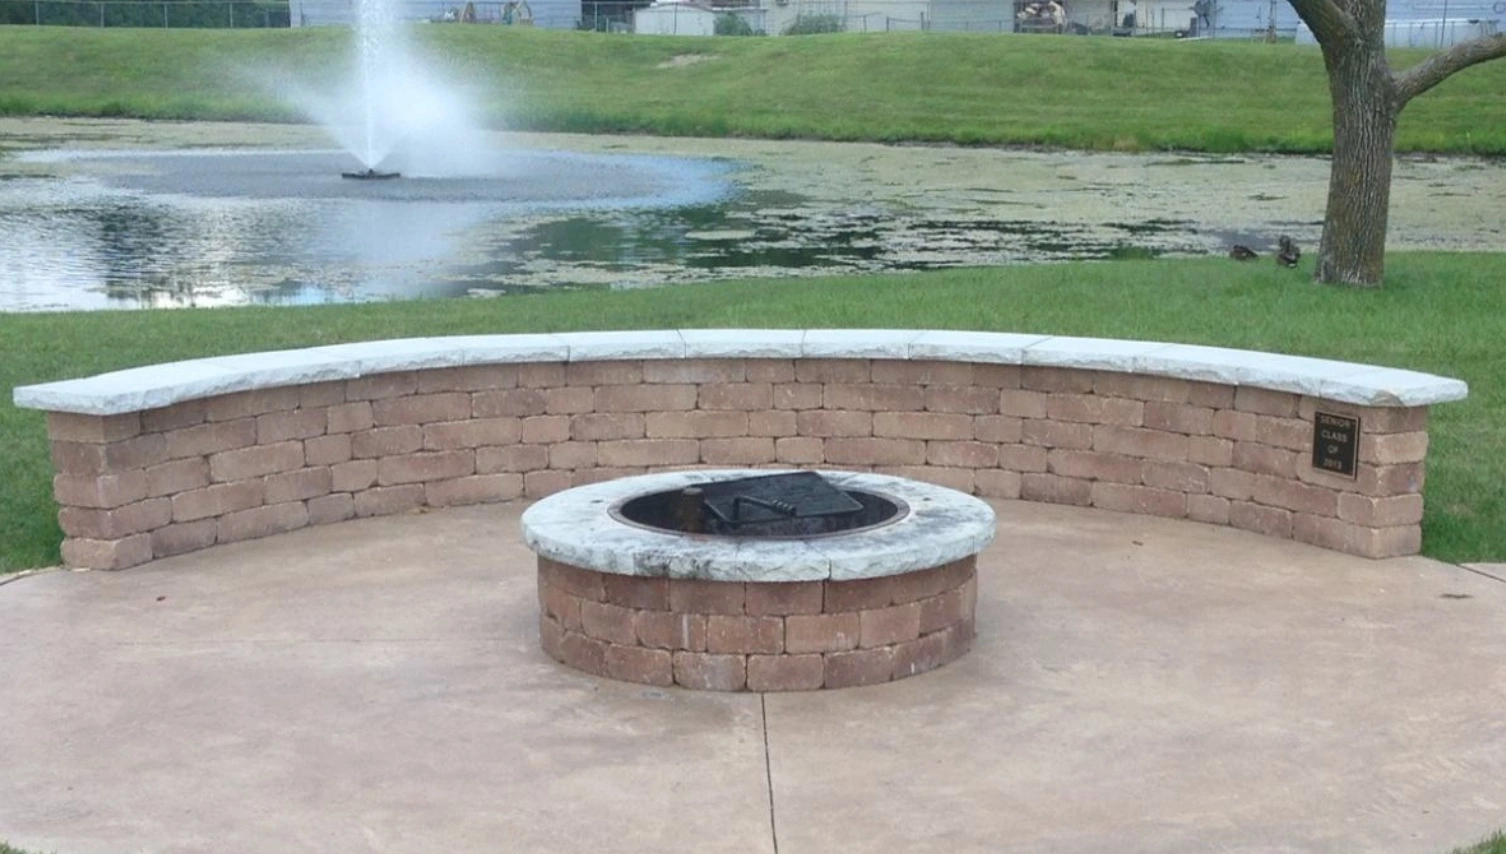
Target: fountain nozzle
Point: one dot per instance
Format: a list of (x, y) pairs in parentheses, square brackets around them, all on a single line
[(370, 175)]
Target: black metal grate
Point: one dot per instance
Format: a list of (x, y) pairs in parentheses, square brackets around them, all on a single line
[(766, 498)]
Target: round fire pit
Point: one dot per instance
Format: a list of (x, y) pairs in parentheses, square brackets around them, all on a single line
[(762, 593)]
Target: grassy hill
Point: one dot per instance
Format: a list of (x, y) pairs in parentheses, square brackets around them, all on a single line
[(1090, 93)]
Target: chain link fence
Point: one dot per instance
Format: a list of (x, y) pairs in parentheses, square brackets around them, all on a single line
[(220, 14)]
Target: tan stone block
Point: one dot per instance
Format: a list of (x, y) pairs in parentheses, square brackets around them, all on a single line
[(387, 500), (299, 485), (648, 452), (1290, 433), (921, 372), (321, 395), (781, 598), (1140, 442), (807, 633), (970, 400), (275, 427), (1208, 508), (217, 500), (1091, 409), (184, 413), (1271, 521), (706, 672), (833, 371), (636, 664), (1265, 402), (183, 538), (1178, 418), (1057, 434), (785, 672), (859, 667), (875, 452), (1385, 542), (744, 635), (701, 371), (328, 509), (327, 450), (947, 608), (425, 466), (774, 424), (834, 424), (451, 436), (572, 455), (994, 483), (693, 596), (246, 404), (873, 397), (422, 408), (1264, 459), (645, 398), (545, 429), (1371, 480), (635, 591), (1393, 511), (923, 425), (94, 429), (960, 479), (1190, 478), (1210, 451), (798, 395), (1141, 387), (584, 583), (608, 622), (107, 554), (351, 417), (560, 605), (1022, 458), (386, 441), (507, 403), (474, 489), (770, 371), (255, 461), (996, 376), (541, 374), (353, 476), (261, 521), (1373, 419), (1211, 395), (94, 523), (582, 477), (1295, 496), (106, 491), (884, 626), (1231, 483), (1006, 429), (381, 386), (667, 630), (1054, 489), (551, 637), (696, 424), (1057, 380), (569, 400), (968, 455), (1022, 404), (1090, 465), (1239, 426), (923, 654), (747, 450), (595, 426), (467, 378), (1144, 500), (615, 372), (736, 396), (1323, 531), (138, 452), (209, 438), (512, 458), (583, 653), (1393, 448)]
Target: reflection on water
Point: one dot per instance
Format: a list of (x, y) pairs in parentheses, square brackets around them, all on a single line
[(113, 242)]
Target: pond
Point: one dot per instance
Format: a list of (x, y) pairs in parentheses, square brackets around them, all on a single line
[(130, 215)]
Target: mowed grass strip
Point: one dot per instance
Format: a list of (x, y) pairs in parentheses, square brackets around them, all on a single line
[(971, 89), (1438, 313)]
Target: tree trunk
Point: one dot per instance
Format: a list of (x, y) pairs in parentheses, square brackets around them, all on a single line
[(1365, 108)]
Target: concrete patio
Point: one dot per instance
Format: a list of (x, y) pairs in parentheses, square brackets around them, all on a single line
[(1137, 685)]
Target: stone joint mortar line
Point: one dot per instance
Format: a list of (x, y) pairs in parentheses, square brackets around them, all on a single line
[(768, 772), (1482, 573)]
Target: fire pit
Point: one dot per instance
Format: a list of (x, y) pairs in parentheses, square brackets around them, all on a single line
[(751, 580)]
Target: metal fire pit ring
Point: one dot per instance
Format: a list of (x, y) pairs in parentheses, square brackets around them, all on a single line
[(857, 607)]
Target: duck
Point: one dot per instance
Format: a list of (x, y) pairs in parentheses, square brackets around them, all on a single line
[(1242, 253), (1289, 254)]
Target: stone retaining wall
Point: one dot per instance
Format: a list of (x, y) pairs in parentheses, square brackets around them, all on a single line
[(161, 481)]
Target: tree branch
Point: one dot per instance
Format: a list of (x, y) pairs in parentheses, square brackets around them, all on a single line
[(1329, 22), (1436, 68)]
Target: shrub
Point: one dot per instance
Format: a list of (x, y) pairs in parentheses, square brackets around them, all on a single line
[(806, 25), (728, 24)]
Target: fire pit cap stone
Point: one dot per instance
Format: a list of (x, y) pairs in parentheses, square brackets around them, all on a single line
[(577, 527)]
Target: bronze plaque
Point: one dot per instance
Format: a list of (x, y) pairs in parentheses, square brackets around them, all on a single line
[(1336, 443)]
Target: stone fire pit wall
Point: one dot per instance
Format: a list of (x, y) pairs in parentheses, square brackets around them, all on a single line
[(166, 459)]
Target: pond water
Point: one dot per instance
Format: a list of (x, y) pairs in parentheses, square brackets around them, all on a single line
[(88, 228)]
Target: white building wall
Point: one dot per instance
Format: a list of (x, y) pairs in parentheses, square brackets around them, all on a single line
[(674, 19)]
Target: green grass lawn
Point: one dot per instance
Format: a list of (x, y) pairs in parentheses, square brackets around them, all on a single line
[(1438, 312), (1088, 93)]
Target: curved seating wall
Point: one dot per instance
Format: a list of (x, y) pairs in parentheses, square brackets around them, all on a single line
[(166, 459)]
